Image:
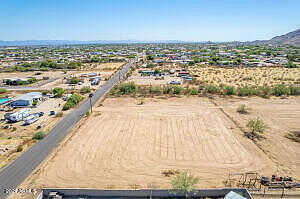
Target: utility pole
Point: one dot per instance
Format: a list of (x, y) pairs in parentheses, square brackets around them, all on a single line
[(90, 96)]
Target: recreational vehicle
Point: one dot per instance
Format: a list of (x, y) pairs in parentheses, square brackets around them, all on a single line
[(20, 115)]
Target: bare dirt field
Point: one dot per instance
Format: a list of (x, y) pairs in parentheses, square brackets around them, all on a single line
[(282, 116), (150, 80), (125, 145)]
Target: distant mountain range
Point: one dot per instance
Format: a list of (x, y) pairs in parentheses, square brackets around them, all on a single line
[(291, 38)]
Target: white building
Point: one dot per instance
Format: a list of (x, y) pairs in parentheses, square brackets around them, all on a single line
[(27, 99)]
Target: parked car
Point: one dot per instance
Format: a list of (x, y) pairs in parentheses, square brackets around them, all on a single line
[(175, 82), (52, 112), (40, 114)]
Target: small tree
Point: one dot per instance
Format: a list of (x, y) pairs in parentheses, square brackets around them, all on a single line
[(184, 182), (39, 136), (256, 126)]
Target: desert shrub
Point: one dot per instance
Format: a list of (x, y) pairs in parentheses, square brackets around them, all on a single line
[(167, 90), (155, 89), (32, 80), (212, 89), (85, 89), (58, 92), (256, 127), (194, 91), (87, 114), (72, 101), (127, 88), (245, 91), (294, 90), (170, 172), (39, 136), (20, 148), (113, 91), (184, 182), (141, 102), (34, 103), (3, 90), (74, 80), (229, 90), (265, 91), (294, 135), (44, 92), (177, 89), (242, 109), (280, 89)]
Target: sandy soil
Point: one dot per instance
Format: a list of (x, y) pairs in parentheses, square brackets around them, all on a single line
[(150, 80), (124, 144), (281, 116)]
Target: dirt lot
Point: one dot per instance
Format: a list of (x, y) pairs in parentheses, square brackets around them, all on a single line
[(150, 80), (125, 145), (281, 116)]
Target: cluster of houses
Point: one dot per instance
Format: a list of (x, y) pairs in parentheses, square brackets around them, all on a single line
[(14, 56)]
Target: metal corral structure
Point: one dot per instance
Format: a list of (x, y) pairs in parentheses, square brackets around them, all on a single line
[(27, 99), (135, 194)]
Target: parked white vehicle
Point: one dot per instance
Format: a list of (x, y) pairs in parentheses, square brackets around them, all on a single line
[(31, 119), (66, 97), (20, 115)]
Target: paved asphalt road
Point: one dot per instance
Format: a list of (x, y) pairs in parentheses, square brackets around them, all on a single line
[(15, 173)]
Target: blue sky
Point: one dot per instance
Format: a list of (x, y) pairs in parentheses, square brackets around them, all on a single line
[(189, 20)]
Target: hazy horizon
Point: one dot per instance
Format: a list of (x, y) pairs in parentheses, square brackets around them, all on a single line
[(190, 21)]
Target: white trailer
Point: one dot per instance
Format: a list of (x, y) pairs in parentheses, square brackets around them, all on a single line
[(20, 115), (31, 119)]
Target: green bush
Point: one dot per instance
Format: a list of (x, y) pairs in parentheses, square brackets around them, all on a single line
[(72, 101), (34, 103), (44, 92), (177, 89), (74, 80), (39, 136), (294, 90), (194, 91), (85, 90), (265, 91), (212, 89), (256, 127), (229, 90), (155, 89), (245, 91), (127, 88), (113, 91), (167, 90), (20, 148), (280, 90), (58, 92)]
